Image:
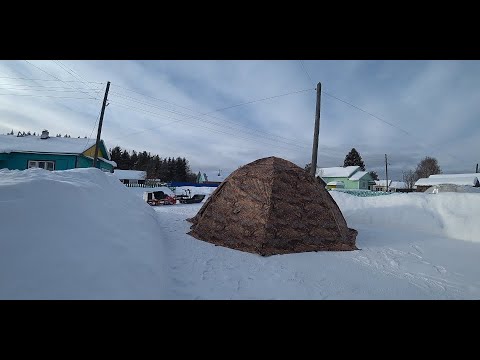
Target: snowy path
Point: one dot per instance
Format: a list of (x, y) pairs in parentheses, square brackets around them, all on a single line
[(391, 265)]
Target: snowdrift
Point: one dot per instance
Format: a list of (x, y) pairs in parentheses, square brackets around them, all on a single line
[(77, 234), (447, 214)]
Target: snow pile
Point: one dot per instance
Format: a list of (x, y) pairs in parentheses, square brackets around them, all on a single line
[(77, 234), (446, 214), (452, 188)]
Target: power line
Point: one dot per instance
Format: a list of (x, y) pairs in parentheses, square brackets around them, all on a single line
[(75, 75), (375, 116), (30, 79), (57, 78), (218, 110), (306, 72), (263, 99), (193, 124), (382, 120), (250, 130), (220, 125), (47, 96), (39, 86), (28, 89)]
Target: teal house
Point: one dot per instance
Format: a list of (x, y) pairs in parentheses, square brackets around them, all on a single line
[(349, 177), (51, 153)]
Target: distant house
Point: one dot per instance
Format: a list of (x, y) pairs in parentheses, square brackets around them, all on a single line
[(131, 177), (51, 153), (453, 179), (215, 177), (349, 177), (201, 178), (393, 186)]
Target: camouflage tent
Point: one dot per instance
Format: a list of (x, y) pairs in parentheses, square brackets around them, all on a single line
[(272, 206)]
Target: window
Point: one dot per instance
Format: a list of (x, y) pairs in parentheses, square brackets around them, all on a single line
[(47, 165)]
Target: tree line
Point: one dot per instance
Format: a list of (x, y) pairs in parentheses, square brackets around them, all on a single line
[(29, 133), (165, 169)]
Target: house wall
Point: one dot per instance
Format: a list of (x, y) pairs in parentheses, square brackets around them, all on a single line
[(83, 162), (352, 184), (19, 161), (91, 151), (348, 183)]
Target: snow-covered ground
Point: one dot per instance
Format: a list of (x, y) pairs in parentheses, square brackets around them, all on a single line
[(77, 234), (82, 234)]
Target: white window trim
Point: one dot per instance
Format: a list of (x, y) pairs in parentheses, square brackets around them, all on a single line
[(34, 164)]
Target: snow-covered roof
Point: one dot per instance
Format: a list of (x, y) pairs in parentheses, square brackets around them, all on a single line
[(398, 185), (358, 175), (130, 174), (55, 145), (337, 171), (391, 184), (453, 175), (111, 162), (466, 180), (383, 182)]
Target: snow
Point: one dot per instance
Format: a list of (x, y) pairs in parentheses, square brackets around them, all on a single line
[(435, 189), (398, 185), (358, 175), (130, 174), (411, 248), (80, 234), (337, 171), (57, 145), (465, 180), (77, 234)]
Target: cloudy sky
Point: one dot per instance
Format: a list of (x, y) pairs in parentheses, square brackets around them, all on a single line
[(420, 108)]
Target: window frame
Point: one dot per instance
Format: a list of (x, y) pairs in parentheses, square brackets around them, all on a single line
[(39, 161)]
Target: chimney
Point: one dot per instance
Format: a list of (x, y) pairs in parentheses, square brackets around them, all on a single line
[(44, 134)]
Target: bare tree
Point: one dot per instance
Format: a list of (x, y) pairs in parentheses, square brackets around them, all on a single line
[(409, 178), (428, 166)]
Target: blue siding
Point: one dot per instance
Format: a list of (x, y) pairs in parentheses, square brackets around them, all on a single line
[(84, 162), (179, 184), (19, 161)]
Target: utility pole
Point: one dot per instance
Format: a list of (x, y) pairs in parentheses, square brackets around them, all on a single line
[(386, 170), (313, 168), (476, 170), (99, 132)]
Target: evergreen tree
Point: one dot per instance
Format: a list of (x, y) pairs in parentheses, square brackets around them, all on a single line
[(374, 175), (34, 134), (133, 160), (124, 161), (353, 158), (28, 133), (115, 155)]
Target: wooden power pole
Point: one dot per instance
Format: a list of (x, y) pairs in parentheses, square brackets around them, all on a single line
[(476, 170), (99, 132), (313, 168), (386, 170)]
